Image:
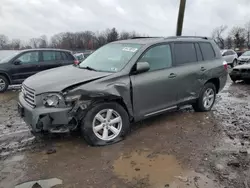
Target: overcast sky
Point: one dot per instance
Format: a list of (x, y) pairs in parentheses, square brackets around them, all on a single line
[(31, 18)]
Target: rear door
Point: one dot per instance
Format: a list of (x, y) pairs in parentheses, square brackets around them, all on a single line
[(187, 70), (27, 66), (51, 59)]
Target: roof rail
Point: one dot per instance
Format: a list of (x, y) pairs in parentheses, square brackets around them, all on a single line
[(145, 37), (182, 37)]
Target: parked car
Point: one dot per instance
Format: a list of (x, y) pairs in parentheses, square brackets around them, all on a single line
[(230, 57), (15, 68), (244, 58), (241, 72), (81, 56), (123, 82)]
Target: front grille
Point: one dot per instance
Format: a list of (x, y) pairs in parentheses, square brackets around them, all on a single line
[(29, 95)]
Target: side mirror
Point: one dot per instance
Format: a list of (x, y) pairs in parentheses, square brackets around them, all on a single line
[(17, 62), (142, 67)]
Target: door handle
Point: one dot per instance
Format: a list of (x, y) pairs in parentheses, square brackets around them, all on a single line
[(172, 75), (203, 69)]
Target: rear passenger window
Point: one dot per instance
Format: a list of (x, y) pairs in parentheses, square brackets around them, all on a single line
[(207, 51), (70, 56), (51, 56), (64, 56), (184, 53), (158, 57)]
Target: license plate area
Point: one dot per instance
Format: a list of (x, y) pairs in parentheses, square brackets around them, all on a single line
[(20, 110)]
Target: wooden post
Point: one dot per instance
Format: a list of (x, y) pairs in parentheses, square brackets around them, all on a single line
[(180, 17)]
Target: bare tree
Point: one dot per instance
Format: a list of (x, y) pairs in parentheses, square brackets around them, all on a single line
[(34, 42), (229, 42), (217, 35), (247, 29), (43, 43), (239, 36), (15, 44), (112, 35), (3, 41)]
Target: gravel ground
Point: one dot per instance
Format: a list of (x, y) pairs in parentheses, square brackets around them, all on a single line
[(177, 149)]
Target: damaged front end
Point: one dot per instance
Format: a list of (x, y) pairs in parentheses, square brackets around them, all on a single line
[(63, 112)]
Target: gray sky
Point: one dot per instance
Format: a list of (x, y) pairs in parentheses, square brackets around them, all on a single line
[(31, 18)]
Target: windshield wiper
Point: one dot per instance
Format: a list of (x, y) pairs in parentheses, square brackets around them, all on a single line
[(88, 68)]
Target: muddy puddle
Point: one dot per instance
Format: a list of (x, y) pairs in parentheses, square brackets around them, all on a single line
[(144, 169)]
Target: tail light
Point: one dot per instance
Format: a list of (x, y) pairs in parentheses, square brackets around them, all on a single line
[(225, 65), (76, 62)]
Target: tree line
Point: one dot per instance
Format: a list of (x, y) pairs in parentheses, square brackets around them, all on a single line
[(237, 37), (84, 40)]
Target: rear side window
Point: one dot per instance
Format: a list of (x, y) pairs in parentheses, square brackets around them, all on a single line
[(207, 51), (64, 56), (184, 53), (70, 56), (51, 56)]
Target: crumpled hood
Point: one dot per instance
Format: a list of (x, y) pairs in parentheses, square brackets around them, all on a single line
[(244, 58), (55, 80), (244, 66)]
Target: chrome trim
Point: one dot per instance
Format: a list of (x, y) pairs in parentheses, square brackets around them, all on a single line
[(165, 109), (29, 95)]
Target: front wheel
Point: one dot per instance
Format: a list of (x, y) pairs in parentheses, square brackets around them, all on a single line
[(3, 84), (105, 123), (207, 98)]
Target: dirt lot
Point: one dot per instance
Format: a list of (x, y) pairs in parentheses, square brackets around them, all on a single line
[(180, 149)]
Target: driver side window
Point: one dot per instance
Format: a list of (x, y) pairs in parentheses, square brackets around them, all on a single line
[(29, 57), (158, 57)]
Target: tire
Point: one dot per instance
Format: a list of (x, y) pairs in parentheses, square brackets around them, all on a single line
[(247, 81), (233, 79), (4, 84), (96, 136), (200, 106), (234, 63)]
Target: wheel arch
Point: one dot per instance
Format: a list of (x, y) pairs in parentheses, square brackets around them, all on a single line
[(6, 76), (216, 82)]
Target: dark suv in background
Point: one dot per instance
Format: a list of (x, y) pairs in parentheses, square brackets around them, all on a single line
[(15, 68), (123, 82)]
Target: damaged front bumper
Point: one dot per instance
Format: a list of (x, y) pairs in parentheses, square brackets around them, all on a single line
[(45, 119)]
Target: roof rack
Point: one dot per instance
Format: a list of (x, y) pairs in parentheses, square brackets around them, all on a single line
[(145, 37), (182, 37)]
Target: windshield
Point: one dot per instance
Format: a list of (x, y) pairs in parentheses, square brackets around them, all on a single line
[(8, 57), (111, 57), (247, 53)]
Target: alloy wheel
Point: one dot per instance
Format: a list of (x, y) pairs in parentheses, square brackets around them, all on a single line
[(2, 84), (208, 98), (107, 124)]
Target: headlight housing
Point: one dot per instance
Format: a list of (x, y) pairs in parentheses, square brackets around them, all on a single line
[(52, 100)]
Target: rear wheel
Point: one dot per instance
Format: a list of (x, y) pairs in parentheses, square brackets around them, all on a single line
[(105, 123), (207, 98), (3, 84)]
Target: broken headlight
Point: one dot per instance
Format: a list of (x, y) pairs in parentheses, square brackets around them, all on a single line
[(51, 100)]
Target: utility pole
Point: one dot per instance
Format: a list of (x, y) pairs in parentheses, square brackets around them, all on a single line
[(180, 17)]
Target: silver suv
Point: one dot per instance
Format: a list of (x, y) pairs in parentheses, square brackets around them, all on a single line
[(123, 82)]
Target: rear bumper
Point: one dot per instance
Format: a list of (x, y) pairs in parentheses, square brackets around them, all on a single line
[(42, 118)]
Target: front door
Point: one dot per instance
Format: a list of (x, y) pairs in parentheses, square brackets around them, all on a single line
[(154, 91), (27, 65)]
